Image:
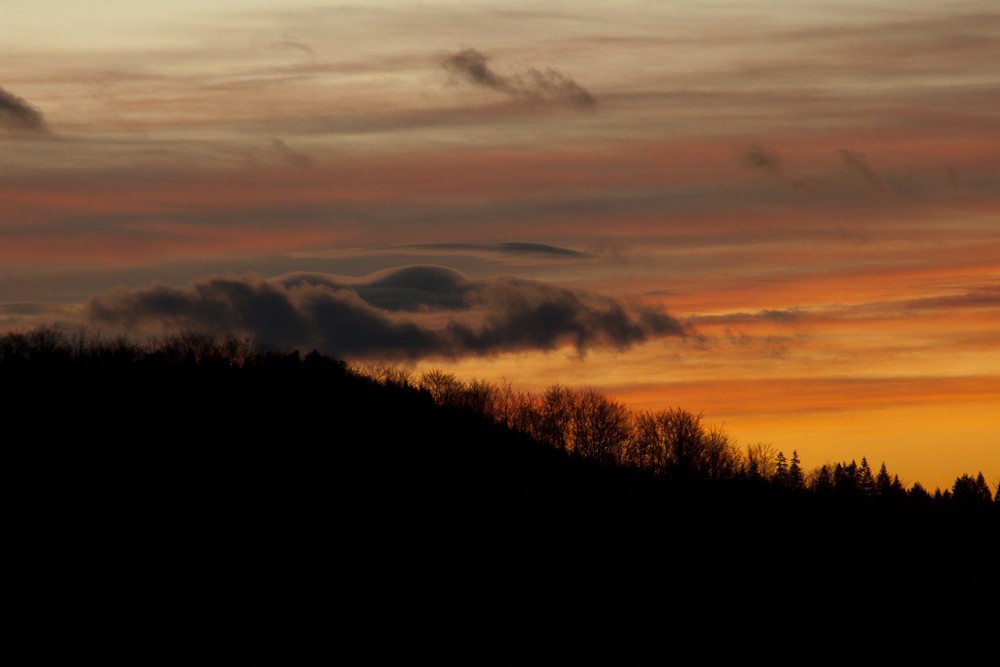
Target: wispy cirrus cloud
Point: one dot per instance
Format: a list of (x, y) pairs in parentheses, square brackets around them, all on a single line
[(471, 66), (860, 173)]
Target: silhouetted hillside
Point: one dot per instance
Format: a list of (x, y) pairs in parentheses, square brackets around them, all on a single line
[(196, 443)]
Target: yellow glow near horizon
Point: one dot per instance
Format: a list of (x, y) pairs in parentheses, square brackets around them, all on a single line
[(906, 423)]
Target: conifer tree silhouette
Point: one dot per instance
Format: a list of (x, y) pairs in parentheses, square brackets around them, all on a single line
[(824, 480), (983, 489), (781, 470), (866, 482), (795, 472), (968, 491), (883, 484)]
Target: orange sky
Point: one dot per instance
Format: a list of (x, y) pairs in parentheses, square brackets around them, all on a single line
[(812, 193)]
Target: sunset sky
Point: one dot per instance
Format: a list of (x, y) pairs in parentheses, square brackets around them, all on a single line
[(783, 214)]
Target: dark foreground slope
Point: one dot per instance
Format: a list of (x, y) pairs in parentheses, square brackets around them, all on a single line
[(249, 471), (288, 445)]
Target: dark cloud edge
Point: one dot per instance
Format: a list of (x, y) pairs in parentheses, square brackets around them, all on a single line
[(16, 115), (471, 66)]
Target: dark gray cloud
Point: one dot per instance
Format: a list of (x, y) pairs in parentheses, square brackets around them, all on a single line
[(17, 115), (412, 312), (527, 314), (471, 66)]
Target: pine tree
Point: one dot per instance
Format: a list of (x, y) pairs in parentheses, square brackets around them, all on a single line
[(983, 489), (824, 482), (964, 490), (781, 470), (968, 491), (845, 478), (795, 480), (882, 482), (866, 482)]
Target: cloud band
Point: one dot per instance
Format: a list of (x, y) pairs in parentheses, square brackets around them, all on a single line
[(407, 313)]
